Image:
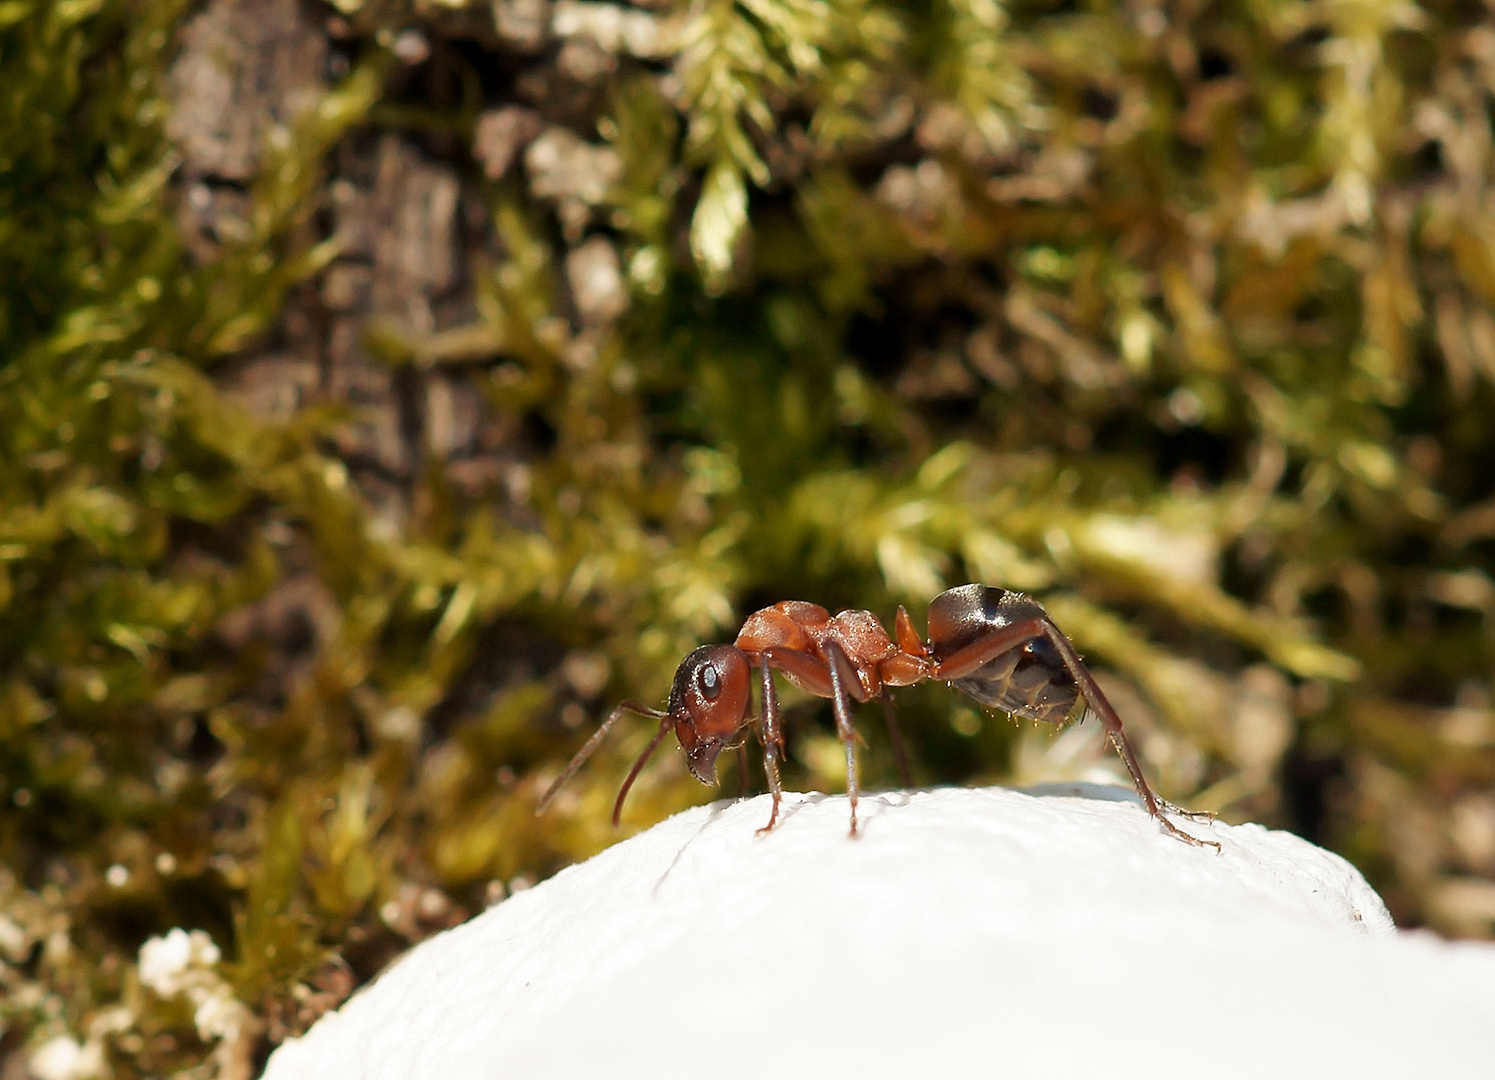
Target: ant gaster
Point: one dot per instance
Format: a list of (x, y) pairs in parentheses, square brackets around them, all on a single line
[(999, 647)]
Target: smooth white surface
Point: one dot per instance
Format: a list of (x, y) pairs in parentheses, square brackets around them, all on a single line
[(966, 933)]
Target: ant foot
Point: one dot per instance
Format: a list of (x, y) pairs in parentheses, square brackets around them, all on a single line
[(1179, 811), (771, 819), (1177, 833)]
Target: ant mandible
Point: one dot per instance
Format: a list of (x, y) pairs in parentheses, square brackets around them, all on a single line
[(1000, 647)]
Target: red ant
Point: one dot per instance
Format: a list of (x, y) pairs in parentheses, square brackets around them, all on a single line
[(999, 647)]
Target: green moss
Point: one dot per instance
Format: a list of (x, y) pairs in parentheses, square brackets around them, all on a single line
[(1180, 321)]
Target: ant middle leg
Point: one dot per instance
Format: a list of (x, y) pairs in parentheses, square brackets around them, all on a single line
[(843, 677), (900, 756)]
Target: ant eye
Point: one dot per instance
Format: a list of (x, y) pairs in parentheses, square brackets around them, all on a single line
[(710, 682)]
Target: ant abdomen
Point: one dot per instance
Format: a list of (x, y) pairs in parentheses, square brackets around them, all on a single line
[(1032, 681)]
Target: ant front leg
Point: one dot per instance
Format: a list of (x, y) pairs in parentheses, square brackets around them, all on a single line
[(773, 742), (742, 770), (831, 680), (809, 673)]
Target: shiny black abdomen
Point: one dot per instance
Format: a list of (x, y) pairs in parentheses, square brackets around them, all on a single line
[(1029, 680)]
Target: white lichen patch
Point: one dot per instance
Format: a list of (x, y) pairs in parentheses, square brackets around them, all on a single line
[(183, 963), (64, 1058)]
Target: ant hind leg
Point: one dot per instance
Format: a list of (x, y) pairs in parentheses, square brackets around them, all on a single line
[(1179, 811)]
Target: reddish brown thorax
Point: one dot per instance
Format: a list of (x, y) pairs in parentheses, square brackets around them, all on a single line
[(807, 628)]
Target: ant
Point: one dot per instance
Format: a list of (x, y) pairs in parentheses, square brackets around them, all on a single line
[(1000, 647)]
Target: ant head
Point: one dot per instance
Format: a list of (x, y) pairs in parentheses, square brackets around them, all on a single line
[(708, 704)]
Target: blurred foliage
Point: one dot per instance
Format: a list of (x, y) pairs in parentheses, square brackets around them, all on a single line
[(1178, 316)]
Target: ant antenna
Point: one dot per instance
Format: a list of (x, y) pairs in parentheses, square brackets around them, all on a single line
[(595, 741), (664, 726)]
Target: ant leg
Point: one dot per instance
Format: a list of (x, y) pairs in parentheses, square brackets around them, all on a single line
[(773, 743), (835, 678), (843, 675), (1179, 811), (1014, 635), (900, 756), (742, 768), (809, 673), (1112, 722), (591, 745)]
